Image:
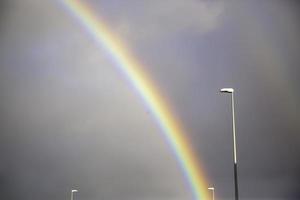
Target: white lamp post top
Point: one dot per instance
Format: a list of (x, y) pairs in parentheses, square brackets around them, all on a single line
[(227, 90)]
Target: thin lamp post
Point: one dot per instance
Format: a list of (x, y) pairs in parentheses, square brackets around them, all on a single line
[(231, 91), (213, 192), (72, 191)]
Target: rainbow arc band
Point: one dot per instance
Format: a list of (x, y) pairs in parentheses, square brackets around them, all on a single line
[(171, 129)]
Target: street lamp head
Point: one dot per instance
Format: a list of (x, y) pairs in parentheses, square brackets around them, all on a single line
[(227, 90), (211, 188), (74, 191)]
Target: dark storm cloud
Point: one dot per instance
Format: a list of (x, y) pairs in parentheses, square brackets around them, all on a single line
[(70, 119), (69, 122), (249, 53), (3, 10)]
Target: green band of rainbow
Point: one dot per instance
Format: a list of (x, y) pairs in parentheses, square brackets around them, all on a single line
[(171, 127)]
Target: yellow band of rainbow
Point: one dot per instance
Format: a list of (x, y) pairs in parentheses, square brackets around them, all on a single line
[(126, 62)]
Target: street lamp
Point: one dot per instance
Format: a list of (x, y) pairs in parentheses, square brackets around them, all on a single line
[(213, 192), (231, 91), (72, 191)]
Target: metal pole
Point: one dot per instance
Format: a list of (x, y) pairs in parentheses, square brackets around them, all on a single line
[(234, 150), (213, 192), (72, 193)]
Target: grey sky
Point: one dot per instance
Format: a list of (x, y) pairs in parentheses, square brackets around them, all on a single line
[(70, 118)]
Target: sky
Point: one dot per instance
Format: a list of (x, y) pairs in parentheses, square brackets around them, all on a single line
[(70, 119)]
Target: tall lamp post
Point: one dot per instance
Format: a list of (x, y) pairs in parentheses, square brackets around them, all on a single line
[(213, 192), (231, 91), (72, 193)]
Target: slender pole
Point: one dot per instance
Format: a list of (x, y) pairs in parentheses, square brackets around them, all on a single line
[(72, 193), (213, 192), (234, 150), (236, 191)]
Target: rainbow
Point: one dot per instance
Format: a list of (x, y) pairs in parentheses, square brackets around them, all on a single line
[(172, 130)]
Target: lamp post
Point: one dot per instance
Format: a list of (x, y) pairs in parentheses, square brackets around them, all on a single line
[(231, 91), (213, 192), (72, 191)]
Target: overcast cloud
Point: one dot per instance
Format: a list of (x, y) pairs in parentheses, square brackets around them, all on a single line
[(71, 119)]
